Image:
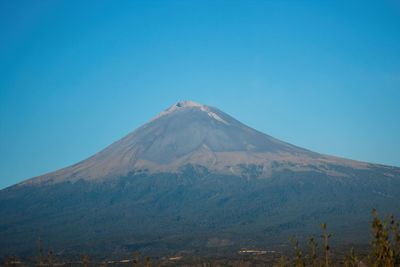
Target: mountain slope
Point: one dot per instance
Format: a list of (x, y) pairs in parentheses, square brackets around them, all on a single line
[(194, 178), (191, 133)]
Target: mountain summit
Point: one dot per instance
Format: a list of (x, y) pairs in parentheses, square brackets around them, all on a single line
[(194, 179)]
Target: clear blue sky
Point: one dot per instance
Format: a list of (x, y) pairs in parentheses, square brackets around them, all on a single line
[(76, 76)]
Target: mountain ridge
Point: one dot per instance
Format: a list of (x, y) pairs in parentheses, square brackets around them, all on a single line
[(257, 148)]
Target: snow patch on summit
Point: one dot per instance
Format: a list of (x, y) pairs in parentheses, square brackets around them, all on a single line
[(215, 116), (190, 104)]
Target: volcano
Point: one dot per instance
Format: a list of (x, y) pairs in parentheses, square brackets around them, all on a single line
[(194, 179)]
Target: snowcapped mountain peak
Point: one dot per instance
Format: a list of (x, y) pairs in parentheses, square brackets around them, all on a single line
[(190, 104), (180, 106), (187, 103)]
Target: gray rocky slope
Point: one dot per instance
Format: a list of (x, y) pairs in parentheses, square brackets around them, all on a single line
[(191, 133), (194, 179)]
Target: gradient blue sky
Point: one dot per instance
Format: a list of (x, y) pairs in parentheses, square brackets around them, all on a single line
[(76, 76)]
